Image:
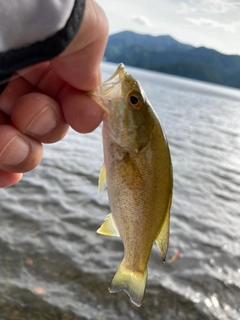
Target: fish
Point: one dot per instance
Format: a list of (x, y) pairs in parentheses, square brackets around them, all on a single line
[(138, 174)]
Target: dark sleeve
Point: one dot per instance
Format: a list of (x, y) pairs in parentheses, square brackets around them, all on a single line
[(43, 50)]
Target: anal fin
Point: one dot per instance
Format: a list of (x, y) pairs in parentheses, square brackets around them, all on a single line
[(108, 228)]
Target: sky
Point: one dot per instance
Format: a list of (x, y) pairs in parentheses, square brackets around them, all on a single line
[(211, 23)]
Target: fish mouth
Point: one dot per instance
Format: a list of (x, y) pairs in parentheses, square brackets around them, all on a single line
[(109, 85), (111, 88)]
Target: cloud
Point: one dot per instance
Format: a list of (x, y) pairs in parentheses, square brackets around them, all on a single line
[(220, 6), (140, 19), (209, 23), (209, 6), (187, 7)]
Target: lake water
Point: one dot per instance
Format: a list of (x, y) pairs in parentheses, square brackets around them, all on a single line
[(53, 264)]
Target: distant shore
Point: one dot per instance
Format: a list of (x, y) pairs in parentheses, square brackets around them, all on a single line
[(165, 54)]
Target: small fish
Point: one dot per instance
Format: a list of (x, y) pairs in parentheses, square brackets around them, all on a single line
[(138, 173)]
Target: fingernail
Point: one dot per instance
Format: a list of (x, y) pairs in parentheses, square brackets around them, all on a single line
[(43, 122), (14, 152)]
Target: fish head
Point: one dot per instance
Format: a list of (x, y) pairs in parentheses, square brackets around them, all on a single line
[(128, 113)]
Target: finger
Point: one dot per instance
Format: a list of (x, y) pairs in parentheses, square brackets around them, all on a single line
[(4, 119), (80, 111), (8, 178), (14, 90), (39, 117), (18, 152), (43, 78)]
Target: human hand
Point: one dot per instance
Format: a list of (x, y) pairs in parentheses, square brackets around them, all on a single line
[(39, 106)]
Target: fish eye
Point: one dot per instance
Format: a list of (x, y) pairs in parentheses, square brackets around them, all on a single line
[(134, 100)]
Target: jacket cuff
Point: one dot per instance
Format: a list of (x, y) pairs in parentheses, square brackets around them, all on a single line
[(40, 51)]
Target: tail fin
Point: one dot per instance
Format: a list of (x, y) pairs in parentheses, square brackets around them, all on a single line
[(132, 282)]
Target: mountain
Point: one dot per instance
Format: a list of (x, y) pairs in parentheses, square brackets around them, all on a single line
[(158, 43), (165, 54)]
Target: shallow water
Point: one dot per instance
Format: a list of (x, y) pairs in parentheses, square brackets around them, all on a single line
[(55, 266)]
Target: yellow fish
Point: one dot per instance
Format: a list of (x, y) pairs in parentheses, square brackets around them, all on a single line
[(138, 173)]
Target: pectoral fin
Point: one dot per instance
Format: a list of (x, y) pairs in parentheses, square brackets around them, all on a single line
[(102, 180), (163, 237), (108, 228)]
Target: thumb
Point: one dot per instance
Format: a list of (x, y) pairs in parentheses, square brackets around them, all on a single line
[(79, 64)]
